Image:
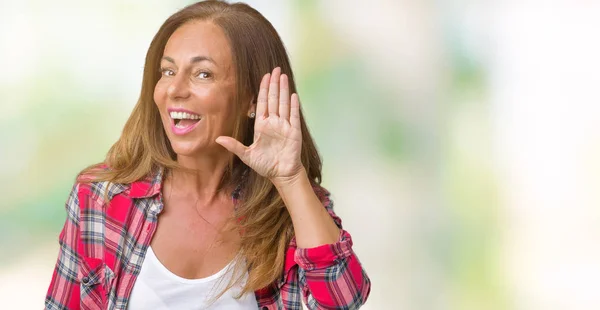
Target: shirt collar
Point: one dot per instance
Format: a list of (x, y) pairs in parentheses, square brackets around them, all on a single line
[(147, 187)]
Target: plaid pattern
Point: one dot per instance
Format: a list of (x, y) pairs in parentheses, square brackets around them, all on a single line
[(103, 244)]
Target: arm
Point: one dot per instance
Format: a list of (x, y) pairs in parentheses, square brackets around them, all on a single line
[(313, 225), (63, 292), (330, 274)]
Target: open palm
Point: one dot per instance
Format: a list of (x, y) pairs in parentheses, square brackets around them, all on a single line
[(275, 152)]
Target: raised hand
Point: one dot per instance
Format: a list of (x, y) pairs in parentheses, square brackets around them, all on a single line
[(275, 152)]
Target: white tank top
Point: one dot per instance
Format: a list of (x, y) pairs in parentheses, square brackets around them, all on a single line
[(157, 288)]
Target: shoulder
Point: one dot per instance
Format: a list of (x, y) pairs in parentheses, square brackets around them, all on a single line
[(91, 189), (96, 183), (93, 198)]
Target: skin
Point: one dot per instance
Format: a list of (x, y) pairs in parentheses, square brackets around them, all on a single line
[(191, 224)]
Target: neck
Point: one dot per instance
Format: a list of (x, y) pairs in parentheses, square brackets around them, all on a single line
[(203, 182)]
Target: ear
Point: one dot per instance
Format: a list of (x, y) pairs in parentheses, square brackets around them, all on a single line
[(252, 108)]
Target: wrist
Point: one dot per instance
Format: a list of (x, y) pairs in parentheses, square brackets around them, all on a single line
[(287, 182)]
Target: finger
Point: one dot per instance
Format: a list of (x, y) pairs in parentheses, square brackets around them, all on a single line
[(284, 98), (233, 145), (261, 100), (295, 112), (273, 97)]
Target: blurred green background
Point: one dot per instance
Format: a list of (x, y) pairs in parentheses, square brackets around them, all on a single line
[(460, 138)]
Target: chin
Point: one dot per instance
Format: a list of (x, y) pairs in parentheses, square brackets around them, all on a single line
[(185, 150), (190, 148)]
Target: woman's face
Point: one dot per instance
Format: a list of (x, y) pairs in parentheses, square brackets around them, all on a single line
[(196, 90)]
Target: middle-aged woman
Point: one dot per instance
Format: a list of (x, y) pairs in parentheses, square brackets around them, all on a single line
[(181, 214)]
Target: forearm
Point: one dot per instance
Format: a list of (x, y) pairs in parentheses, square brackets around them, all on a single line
[(313, 226), (324, 252)]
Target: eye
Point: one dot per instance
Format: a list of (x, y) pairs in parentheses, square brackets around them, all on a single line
[(204, 75), (167, 72)]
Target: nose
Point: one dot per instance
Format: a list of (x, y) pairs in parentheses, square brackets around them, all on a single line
[(179, 88)]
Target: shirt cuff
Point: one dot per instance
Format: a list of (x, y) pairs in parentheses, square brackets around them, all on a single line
[(325, 255)]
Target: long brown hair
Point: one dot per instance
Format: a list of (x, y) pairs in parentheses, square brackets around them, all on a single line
[(143, 146)]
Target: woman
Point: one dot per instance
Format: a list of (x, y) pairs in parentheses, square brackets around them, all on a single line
[(181, 215)]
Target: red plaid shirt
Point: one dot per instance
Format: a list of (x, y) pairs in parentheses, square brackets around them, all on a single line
[(102, 249)]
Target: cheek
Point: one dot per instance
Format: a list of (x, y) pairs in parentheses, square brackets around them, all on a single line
[(215, 101), (159, 94)]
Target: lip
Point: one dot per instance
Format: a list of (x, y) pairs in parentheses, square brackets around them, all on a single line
[(181, 131)]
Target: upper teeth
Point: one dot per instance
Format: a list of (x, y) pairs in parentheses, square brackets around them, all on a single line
[(184, 115)]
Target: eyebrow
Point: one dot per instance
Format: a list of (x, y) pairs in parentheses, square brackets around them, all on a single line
[(192, 60)]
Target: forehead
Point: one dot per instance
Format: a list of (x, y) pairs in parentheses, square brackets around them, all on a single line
[(199, 38)]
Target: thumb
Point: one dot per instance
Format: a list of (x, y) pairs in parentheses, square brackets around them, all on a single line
[(232, 145)]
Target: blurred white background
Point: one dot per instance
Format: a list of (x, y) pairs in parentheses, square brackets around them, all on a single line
[(460, 138)]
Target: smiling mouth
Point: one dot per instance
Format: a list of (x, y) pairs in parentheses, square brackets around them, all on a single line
[(184, 119)]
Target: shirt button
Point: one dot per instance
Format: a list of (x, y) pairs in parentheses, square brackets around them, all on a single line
[(85, 280)]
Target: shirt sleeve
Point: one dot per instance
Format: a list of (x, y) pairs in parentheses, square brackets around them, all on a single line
[(331, 275), (63, 292)]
